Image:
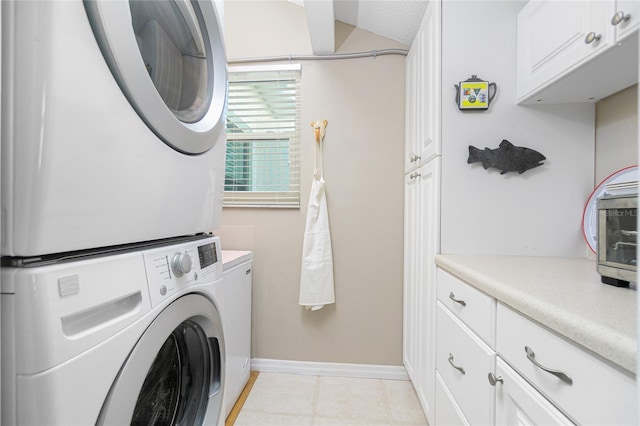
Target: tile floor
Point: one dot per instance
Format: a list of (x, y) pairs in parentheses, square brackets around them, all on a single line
[(290, 399)]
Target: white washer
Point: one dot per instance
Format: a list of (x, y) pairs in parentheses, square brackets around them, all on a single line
[(126, 338), (236, 284), (113, 122)]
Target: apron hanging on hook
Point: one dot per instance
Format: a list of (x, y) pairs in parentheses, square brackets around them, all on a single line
[(316, 277)]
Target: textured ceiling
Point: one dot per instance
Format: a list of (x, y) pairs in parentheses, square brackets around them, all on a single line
[(398, 20)]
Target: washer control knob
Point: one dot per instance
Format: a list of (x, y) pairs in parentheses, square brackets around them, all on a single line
[(181, 264)]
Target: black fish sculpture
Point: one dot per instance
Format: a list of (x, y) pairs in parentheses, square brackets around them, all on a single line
[(507, 158)]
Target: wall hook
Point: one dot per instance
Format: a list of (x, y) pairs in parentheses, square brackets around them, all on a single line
[(320, 128)]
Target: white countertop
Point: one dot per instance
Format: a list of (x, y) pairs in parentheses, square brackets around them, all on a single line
[(564, 294), (231, 258)]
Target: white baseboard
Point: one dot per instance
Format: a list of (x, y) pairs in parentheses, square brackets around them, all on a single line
[(363, 371)]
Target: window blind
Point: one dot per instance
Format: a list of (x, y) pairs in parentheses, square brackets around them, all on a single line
[(263, 137)]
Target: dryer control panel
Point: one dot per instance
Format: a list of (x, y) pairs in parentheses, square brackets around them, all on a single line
[(172, 269)]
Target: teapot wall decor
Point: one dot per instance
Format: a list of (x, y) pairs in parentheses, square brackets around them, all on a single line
[(475, 94)]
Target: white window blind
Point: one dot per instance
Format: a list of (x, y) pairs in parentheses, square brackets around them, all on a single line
[(263, 137)]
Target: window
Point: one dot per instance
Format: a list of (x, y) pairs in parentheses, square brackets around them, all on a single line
[(263, 137)]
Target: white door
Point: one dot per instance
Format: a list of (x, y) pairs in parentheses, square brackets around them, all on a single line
[(411, 297), (411, 107), (552, 39), (517, 402), (422, 242), (169, 59), (625, 18), (175, 373)]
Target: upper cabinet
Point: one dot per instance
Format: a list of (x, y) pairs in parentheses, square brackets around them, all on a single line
[(576, 51), (422, 129)]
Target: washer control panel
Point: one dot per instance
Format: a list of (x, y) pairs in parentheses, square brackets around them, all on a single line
[(173, 268)]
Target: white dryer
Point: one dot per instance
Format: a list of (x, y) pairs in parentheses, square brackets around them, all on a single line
[(132, 337), (113, 122)]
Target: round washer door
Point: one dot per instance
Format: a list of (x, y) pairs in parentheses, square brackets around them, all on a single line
[(175, 373), (169, 60)]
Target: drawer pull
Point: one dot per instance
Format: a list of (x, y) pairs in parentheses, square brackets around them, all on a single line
[(493, 379), (453, 297), (460, 369), (559, 374)]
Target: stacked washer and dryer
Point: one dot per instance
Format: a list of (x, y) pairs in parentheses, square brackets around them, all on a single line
[(113, 145)]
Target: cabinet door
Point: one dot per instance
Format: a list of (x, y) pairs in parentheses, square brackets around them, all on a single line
[(429, 245), (430, 53), (411, 296), (412, 113), (422, 91), (628, 26), (517, 402), (552, 39), (422, 243)]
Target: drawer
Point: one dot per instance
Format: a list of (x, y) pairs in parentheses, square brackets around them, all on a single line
[(464, 361), (474, 308), (598, 394), (447, 411)]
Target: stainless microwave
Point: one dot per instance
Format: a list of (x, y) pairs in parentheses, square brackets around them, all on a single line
[(617, 239)]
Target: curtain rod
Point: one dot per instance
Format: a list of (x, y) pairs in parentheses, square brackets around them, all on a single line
[(334, 56)]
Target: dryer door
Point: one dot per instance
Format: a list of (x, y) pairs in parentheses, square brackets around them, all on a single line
[(175, 373), (168, 58)]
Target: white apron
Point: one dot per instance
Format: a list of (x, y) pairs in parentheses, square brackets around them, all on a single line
[(316, 277)]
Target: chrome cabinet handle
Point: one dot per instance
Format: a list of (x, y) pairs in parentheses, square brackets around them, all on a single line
[(414, 158), (460, 369), (453, 297), (412, 176), (591, 37), (619, 17), (559, 374), (493, 379)]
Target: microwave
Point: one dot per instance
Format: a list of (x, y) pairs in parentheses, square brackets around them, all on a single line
[(617, 239)]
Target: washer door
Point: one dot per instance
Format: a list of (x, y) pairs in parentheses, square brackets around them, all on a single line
[(168, 58), (175, 373)]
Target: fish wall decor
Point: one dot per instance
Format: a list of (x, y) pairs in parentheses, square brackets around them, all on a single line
[(506, 158)]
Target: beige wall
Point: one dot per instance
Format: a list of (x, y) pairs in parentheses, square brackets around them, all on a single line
[(363, 100), (616, 132)]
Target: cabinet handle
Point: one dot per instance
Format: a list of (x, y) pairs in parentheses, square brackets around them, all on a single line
[(619, 17), (559, 374), (453, 297), (460, 369), (414, 158), (493, 379), (414, 175), (591, 37)]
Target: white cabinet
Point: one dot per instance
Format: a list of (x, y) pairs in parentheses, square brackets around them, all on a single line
[(463, 361), (588, 389), (422, 206), (626, 18), (448, 413), (236, 290), (422, 193), (422, 102), (517, 402), (411, 108), (564, 48), (464, 353), (531, 376), (411, 294)]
